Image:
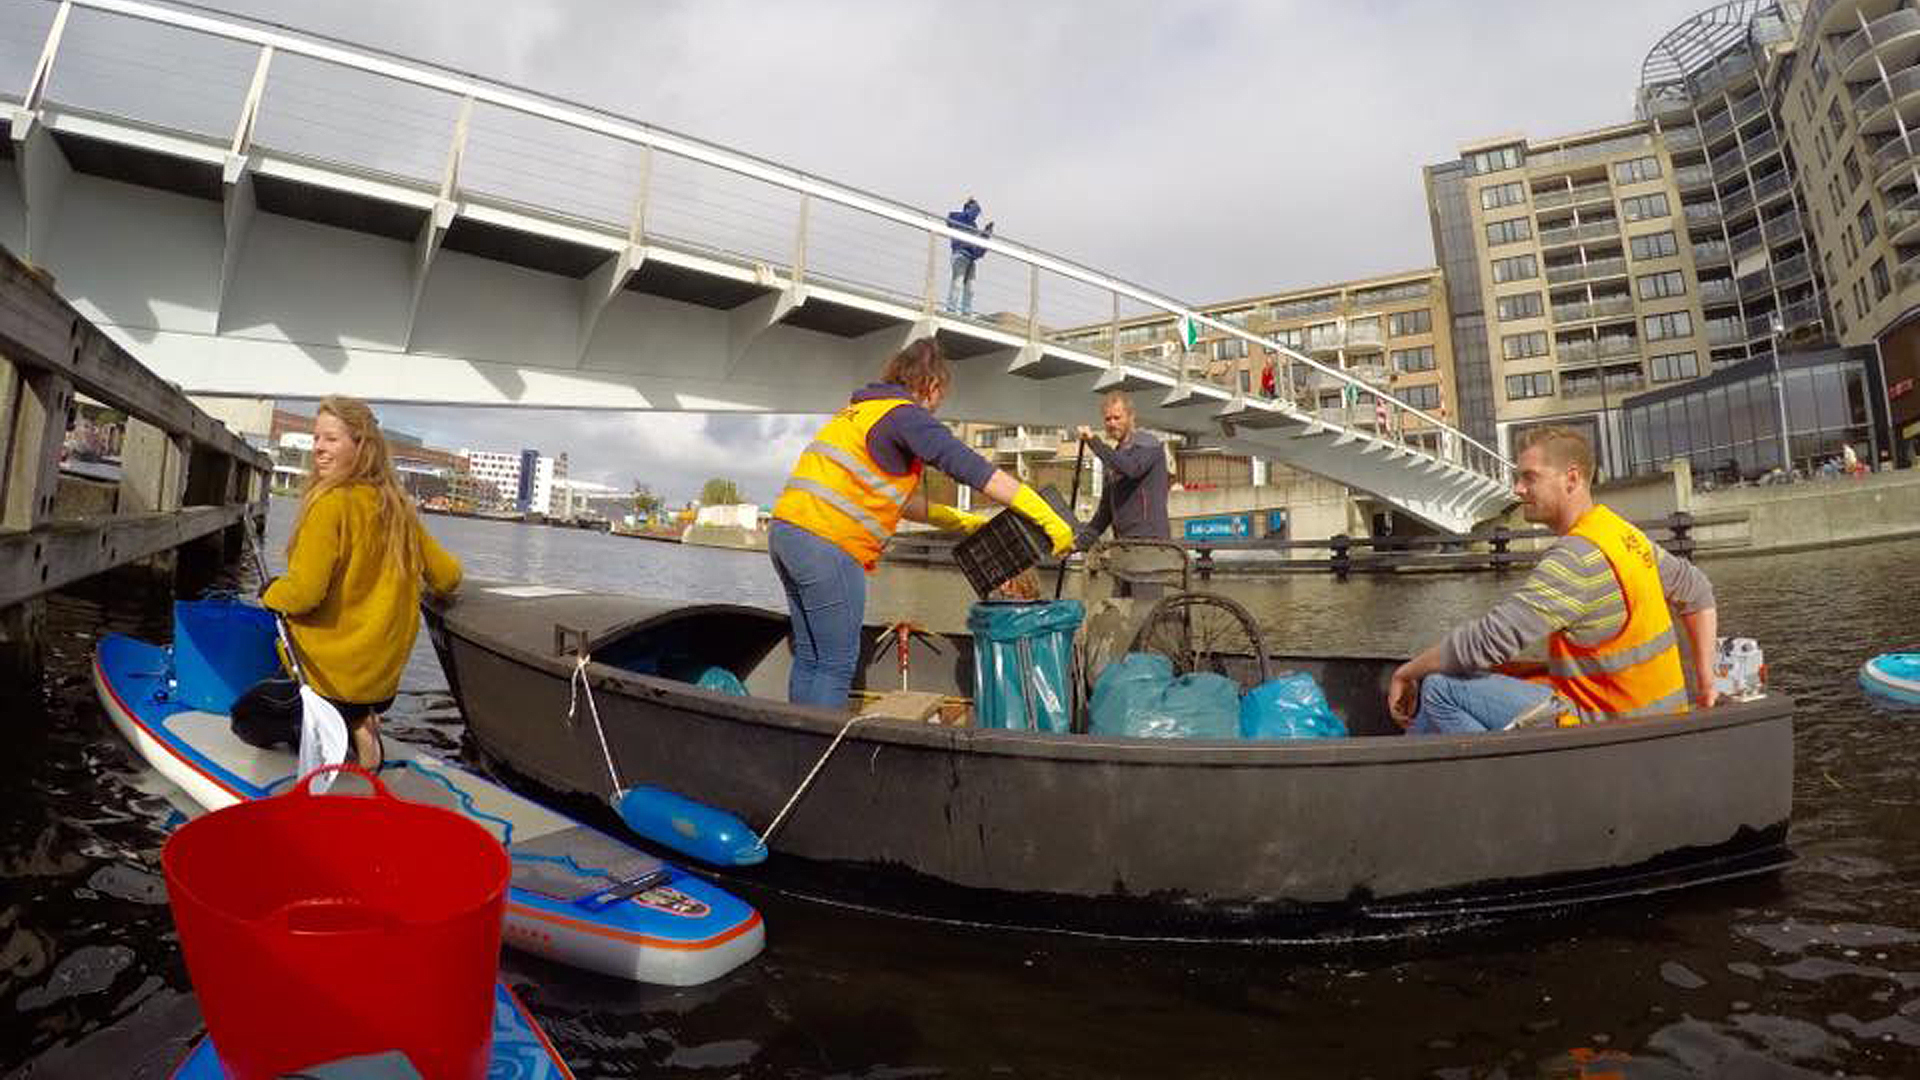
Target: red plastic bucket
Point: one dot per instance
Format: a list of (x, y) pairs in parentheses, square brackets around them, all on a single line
[(324, 927)]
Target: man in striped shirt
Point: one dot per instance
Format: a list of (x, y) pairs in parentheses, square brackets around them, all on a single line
[(1610, 659)]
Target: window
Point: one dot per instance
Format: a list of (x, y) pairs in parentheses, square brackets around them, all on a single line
[(1410, 360), (1522, 306), (1579, 383), (1643, 207), (1868, 227), (1826, 148), (1881, 286), (1835, 120), (1655, 286), (1654, 246), (1499, 195), (1537, 384), (1632, 172), (984, 440), (1229, 349), (1507, 157), (1511, 231), (1853, 249), (1420, 397), (1671, 367), (1517, 268), (1851, 163), (1833, 195), (1674, 324), (1521, 346), (1295, 338), (1860, 297), (1387, 294), (1400, 324)]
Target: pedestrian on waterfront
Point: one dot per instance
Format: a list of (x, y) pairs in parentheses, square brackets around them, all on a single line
[(1600, 596), (356, 560), (1268, 388), (965, 256), (1133, 500), (848, 492)]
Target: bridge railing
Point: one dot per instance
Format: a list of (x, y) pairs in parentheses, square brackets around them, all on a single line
[(264, 91)]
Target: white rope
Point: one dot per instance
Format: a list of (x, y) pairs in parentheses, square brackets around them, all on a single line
[(575, 684), (766, 836)]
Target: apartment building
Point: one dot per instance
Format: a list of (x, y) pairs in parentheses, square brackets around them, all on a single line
[(1849, 93), (1728, 223)]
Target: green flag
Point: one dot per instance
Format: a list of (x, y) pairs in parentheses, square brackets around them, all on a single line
[(1189, 332)]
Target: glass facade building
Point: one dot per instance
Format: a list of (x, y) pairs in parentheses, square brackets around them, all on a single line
[(1727, 425)]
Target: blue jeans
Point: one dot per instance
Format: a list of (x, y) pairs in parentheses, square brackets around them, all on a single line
[(827, 597), (1474, 704), (960, 288)]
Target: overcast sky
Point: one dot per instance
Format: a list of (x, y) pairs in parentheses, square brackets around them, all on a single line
[(1207, 149)]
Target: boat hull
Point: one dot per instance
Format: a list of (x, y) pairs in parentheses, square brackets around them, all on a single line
[(1132, 836)]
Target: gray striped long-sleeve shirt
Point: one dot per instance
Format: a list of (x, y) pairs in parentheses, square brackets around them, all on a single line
[(1573, 589)]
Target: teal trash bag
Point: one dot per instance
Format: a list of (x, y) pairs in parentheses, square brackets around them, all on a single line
[(220, 649), (1289, 706), (721, 681), (1023, 664), (1138, 696)]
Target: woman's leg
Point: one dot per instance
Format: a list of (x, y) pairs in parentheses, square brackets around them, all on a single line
[(826, 597)]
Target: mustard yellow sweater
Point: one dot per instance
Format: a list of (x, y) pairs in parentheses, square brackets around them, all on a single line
[(353, 615)]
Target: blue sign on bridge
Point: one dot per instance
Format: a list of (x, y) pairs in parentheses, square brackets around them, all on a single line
[(1222, 527)]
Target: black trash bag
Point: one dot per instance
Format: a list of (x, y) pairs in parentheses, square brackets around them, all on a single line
[(268, 714)]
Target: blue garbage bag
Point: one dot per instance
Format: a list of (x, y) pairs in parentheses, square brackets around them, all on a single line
[(1023, 664), (220, 649), (1139, 696), (1289, 706)]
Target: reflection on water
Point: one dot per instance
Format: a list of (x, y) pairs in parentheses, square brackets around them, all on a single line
[(1815, 972)]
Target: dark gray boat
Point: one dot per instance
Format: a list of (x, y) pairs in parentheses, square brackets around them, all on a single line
[(1376, 834)]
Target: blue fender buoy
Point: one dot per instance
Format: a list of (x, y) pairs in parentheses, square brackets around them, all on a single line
[(1893, 677), (707, 833)]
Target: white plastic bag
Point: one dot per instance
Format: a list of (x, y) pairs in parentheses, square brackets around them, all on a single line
[(323, 737)]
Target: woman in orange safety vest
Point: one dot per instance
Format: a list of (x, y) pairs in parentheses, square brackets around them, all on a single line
[(853, 483)]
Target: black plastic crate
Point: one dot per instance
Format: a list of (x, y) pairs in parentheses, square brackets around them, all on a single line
[(1006, 545)]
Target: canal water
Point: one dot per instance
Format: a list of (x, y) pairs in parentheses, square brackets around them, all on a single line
[(1813, 972)]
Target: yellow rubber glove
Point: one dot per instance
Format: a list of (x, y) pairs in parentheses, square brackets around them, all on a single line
[(953, 519), (1029, 503)]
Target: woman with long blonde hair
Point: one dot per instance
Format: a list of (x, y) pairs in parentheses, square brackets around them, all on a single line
[(356, 560)]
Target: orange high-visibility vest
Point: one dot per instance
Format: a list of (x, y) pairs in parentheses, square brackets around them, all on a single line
[(839, 493), (1636, 672)]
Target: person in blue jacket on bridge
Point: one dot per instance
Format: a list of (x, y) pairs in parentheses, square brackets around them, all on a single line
[(853, 483), (965, 256)]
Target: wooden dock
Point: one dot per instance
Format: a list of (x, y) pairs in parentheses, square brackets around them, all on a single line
[(187, 485)]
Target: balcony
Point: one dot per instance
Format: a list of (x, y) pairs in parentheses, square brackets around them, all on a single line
[(1573, 234), (1890, 157), (1736, 202), (1718, 291), (1872, 102), (1701, 213), (1726, 332), (1760, 326), (1854, 56), (1782, 228), (1903, 221), (1693, 177), (1754, 285), (1726, 71), (1605, 307), (1749, 107), (1750, 240), (1712, 253), (1717, 127), (1037, 440), (1762, 145), (1587, 271), (1728, 164), (1801, 313), (1365, 336), (1772, 186), (1793, 271), (1585, 193), (1685, 138)]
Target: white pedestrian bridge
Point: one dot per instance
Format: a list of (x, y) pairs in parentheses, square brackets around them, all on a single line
[(255, 212)]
